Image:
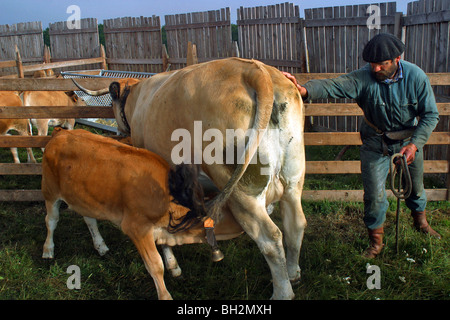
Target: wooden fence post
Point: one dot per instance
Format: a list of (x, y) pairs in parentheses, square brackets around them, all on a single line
[(191, 54), (398, 25), (165, 59), (19, 64), (47, 55), (103, 56), (234, 49)]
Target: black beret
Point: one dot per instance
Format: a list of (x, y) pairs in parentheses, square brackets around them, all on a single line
[(382, 47)]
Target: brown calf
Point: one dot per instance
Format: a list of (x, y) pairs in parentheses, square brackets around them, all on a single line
[(101, 178)]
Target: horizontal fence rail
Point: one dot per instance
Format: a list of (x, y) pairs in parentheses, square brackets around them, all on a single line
[(311, 138)]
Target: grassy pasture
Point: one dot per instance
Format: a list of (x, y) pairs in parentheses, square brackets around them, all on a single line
[(331, 262)]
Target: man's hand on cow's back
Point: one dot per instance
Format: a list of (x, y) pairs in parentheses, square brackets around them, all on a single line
[(303, 91)]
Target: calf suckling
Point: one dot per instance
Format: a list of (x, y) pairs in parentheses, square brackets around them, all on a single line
[(101, 178)]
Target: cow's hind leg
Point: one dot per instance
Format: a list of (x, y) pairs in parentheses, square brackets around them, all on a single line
[(51, 221), (251, 214), (294, 224), (99, 243)]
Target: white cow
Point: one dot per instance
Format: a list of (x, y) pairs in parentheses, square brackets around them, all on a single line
[(198, 106)]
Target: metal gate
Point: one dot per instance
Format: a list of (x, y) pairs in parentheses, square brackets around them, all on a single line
[(105, 100)]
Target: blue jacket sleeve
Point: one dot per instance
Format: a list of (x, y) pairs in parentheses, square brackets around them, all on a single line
[(428, 112), (346, 86)]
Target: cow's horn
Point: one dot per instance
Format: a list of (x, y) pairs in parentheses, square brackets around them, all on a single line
[(91, 92)]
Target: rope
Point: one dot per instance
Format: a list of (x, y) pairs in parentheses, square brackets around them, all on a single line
[(403, 167), (399, 169)]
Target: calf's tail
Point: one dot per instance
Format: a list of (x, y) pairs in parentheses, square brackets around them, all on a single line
[(187, 191)]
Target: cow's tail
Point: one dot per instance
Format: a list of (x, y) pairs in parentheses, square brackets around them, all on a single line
[(259, 80), (186, 191)]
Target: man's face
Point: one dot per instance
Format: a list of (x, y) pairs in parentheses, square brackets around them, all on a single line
[(385, 69)]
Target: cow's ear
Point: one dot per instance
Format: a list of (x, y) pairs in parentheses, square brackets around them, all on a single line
[(114, 90)]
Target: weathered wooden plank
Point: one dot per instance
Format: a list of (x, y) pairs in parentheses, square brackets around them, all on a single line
[(354, 167), (357, 195), (436, 79), (53, 84), (312, 167), (62, 64), (55, 112), (99, 83), (347, 21), (30, 141), (7, 64), (311, 138), (425, 18), (352, 109), (21, 195), (20, 168), (24, 142), (353, 138), (134, 61)]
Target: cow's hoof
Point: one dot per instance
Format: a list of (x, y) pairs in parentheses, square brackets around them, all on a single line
[(296, 279)]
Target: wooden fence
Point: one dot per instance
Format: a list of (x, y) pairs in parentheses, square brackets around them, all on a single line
[(24, 35), (209, 31), (438, 138), (311, 138), (327, 42), (74, 44), (273, 35), (427, 32), (134, 44)]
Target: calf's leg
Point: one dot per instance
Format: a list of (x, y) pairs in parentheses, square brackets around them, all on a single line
[(99, 243), (171, 261), (51, 221), (142, 237)]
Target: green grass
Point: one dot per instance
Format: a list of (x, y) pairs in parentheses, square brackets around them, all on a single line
[(331, 262)]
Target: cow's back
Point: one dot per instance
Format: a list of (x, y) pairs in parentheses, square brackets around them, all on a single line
[(217, 95), (10, 99)]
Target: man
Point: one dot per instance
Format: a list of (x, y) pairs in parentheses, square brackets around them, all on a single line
[(394, 96)]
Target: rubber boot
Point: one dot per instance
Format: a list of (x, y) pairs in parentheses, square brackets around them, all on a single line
[(421, 224), (376, 243)]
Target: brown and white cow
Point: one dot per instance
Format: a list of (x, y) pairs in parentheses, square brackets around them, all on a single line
[(101, 178), (244, 96), (22, 126), (51, 99)]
